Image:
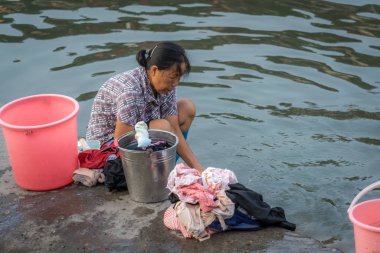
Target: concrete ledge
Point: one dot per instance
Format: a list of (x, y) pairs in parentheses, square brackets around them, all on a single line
[(80, 219)]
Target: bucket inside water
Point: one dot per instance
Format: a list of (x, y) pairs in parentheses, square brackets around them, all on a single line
[(40, 132), (147, 172), (365, 217)]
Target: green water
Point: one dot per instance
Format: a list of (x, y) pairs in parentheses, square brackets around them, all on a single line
[(287, 91)]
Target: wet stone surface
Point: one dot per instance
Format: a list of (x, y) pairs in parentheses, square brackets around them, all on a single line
[(80, 219)]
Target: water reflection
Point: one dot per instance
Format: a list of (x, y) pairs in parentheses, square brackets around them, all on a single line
[(370, 141), (338, 115), (321, 163), (202, 69), (102, 73), (355, 178), (235, 117), (117, 17), (306, 187), (235, 100), (240, 77), (203, 85), (321, 67), (290, 111), (330, 138), (281, 74), (327, 200), (106, 52), (337, 138), (326, 11), (86, 96), (332, 240)]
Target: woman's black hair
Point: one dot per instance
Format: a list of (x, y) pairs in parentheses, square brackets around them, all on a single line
[(164, 55)]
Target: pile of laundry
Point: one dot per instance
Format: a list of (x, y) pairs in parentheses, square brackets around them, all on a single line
[(213, 201), (100, 165)]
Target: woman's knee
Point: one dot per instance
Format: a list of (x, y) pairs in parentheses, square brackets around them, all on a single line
[(161, 124), (186, 107)]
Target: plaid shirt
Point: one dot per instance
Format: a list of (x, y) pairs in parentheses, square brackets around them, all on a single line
[(128, 97)]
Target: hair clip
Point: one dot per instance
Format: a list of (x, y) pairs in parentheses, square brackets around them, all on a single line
[(151, 51)]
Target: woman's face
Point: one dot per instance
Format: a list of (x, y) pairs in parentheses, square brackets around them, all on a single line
[(164, 81)]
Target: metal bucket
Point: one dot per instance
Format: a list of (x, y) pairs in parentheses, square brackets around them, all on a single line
[(147, 172)]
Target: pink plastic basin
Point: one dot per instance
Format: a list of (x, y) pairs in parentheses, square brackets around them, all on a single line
[(41, 136), (365, 217)]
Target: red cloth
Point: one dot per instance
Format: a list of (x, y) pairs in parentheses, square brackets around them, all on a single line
[(95, 158)]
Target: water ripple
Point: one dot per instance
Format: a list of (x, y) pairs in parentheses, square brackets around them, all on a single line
[(281, 74), (338, 115)]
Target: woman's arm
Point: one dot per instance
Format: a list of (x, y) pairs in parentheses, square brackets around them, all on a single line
[(121, 128), (183, 149)]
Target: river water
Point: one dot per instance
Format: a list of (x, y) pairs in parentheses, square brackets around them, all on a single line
[(287, 92)]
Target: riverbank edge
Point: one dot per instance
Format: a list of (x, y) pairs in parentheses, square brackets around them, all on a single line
[(80, 219)]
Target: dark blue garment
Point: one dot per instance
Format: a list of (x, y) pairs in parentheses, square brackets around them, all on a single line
[(254, 204), (239, 221)]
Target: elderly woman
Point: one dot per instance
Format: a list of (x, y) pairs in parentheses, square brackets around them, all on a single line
[(146, 93)]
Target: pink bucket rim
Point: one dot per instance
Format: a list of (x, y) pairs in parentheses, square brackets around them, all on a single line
[(355, 221), (69, 116)]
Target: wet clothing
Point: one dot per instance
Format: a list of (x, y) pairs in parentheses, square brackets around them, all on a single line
[(239, 221), (114, 175), (172, 222), (253, 203), (155, 146), (190, 217), (187, 183), (97, 158), (130, 98), (88, 177), (213, 202)]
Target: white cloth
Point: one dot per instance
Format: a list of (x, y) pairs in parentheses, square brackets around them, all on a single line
[(217, 179), (142, 135)]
